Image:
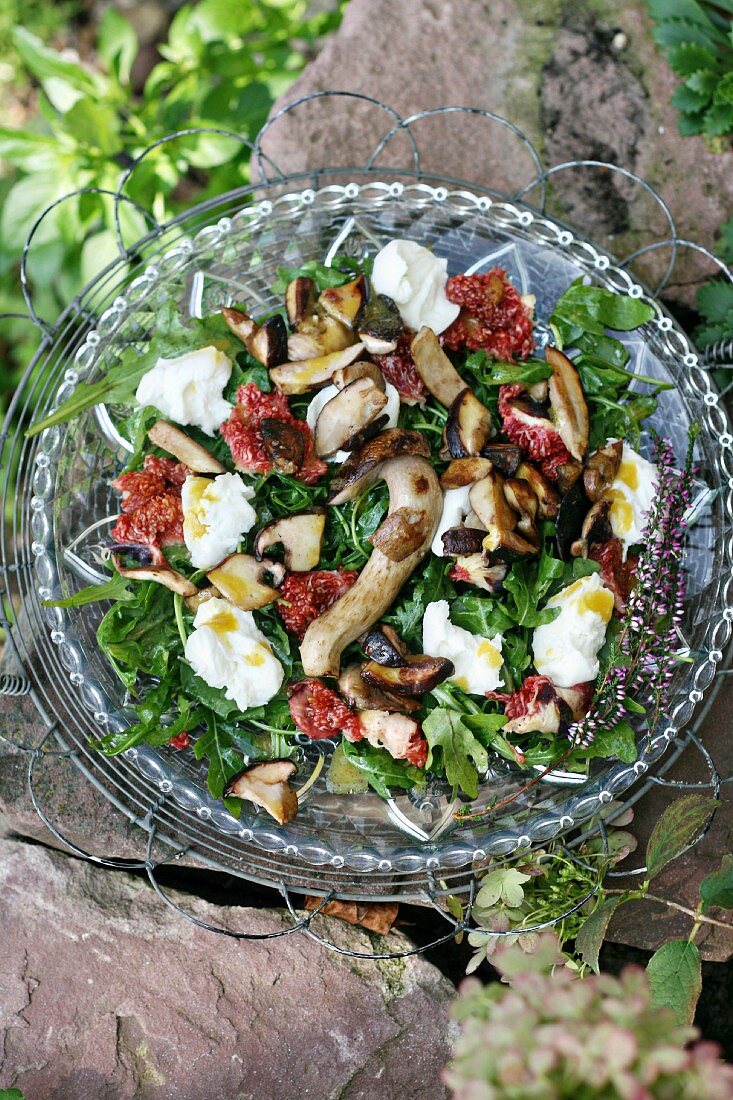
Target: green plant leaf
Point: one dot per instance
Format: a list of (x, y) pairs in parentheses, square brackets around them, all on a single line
[(116, 588), (44, 62), (715, 299), (689, 58), (619, 740), (676, 829), (117, 44), (11, 1094), (719, 119), (93, 125), (675, 975), (685, 98), (590, 938), (461, 754), (717, 889)]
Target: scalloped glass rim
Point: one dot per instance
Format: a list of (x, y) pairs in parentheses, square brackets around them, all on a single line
[(411, 852)]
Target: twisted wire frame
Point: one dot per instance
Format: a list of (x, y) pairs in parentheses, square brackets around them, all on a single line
[(142, 803)]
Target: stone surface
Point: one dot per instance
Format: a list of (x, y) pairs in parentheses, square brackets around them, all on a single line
[(581, 80), (105, 994)]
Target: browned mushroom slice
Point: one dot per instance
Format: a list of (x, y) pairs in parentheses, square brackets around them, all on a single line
[(363, 466), (379, 325), (567, 401), (358, 693), (601, 469), (193, 603), (567, 475), (352, 409), (464, 471), (508, 546), (311, 374), (522, 499), (239, 578), (356, 441), (435, 368), (344, 302), (301, 536), (412, 483), (476, 569), (596, 528), (458, 541), (570, 518), (383, 644), (300, 299), (504, 457), (284, 444), (420, 674), (468, 426), (487, 500), (171, 439), (547, 498), (267, 342), (161, 574), (362, 369), (401, 533), (318, 337), (267, 784)]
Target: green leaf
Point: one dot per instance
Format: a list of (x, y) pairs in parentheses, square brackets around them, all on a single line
[(381, 769), (453, 745), (593, 303), (116, 588), (723, 88), (505, 885), (715, 299), (717, 889), (685, 98), (493, 373), (117, 44), (44, 62), (11, 1094), (676, 829), (675, 975), (619, 741), (688, 58), (592, 933), (93, 125), (224, 760), (704, 82), (719, 119)]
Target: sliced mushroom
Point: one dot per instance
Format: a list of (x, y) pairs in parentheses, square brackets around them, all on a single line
[(161, 574), (459, 541), (267, 342), (412, 484), (267, 784), (567, 401), (547, 498), (300, 299), (362, 369), (344, 302), (319, 337), (419, 675), (401, 533), (570, 517), (240, 579), (468, 426), (285, 445), (358, 693), (505, 457), (601, 469), (522, 499), (596, 528), (362, 467), (351, 410), (568, 474), (356, 441), (383, 644), (193, 603), (487, 500), (435, 368), (477, 569), (301, 536), (311, 374), (379, 325), (186, 450), (465, 471)]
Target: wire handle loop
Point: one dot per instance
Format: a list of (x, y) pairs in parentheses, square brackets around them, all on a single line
[(675, 244), (310, 97)]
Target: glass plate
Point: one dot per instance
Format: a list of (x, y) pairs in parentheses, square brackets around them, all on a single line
[(237, 259)]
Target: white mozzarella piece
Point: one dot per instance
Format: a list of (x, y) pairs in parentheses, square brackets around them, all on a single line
[(477, 660), (566, 649), (455, 509), (188, 389), (229, 651), (216, 513), (632, 494), (415, 279), (391, 410)]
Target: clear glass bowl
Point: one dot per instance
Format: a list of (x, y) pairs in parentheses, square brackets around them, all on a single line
[(362, 837)]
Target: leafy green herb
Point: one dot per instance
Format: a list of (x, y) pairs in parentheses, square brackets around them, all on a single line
[(454, 748), (116, 588), (382, 771), (430, 584), (493, 373), (341, 271)]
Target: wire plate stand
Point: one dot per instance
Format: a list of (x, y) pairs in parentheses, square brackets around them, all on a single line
[(168, 832)]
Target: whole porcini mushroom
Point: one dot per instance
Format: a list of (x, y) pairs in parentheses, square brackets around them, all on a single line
[(267, 784)]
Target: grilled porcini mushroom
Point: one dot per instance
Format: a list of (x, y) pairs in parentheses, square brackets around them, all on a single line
[(468, 426), (301, 536), (464, 471), (161, 574), (435, 368), (186, 450), (344, 302), (267, 342), (458, 541), (300, 300), (412, 484), (383, 644), (401, 533), (362, 467), (601, 469), (240, 579), (284, 444), (193, 603), (312, 374), (567, 401), (361, 695), (570, 518), (379, 325), (362, 369), (267, 784), (520, 496), (420, 673), (548, 499), (349, 412), (504, 457), (477, 569), (596, 529), (500, 520)]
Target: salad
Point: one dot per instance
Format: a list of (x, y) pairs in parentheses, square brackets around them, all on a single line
[(378, 517)]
